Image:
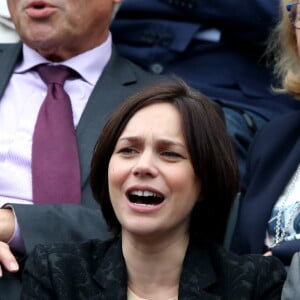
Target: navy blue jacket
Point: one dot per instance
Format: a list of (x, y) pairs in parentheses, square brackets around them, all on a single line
[(273, 159), (159, 35)]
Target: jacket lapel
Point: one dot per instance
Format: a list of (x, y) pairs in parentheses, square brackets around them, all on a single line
[(197, 275), (111, 273), (9, 55), (289, 154)]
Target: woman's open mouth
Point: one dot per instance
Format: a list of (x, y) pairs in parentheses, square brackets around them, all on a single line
[(144, 197)]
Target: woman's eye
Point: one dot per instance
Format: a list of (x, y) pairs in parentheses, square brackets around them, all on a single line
[(127, 151), (171, 154)]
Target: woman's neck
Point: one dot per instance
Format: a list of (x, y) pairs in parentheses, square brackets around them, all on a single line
[(154, 267)]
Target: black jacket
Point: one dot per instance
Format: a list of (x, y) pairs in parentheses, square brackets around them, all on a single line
[(96, 270)]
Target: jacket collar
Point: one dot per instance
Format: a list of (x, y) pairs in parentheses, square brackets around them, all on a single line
[(111, 273), (9, 56), (198, 274)]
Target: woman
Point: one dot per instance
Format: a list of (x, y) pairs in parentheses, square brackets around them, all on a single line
[(269, 215), (164, 174)]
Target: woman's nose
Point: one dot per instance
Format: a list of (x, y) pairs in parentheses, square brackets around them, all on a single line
[(145, 165)]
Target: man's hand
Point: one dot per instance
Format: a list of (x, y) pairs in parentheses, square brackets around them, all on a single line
[(7, 259), (7, 227), (7, 224)]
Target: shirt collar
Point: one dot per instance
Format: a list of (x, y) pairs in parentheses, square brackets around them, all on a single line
[(89, 64)]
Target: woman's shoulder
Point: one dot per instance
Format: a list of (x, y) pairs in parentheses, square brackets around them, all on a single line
[(260, 276), (86, 250), (224, 260), (67, 267), (236, 276), (248, 265), (231, 258)]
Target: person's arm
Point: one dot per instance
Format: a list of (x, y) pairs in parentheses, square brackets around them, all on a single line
[(7, 226), (48, 223), (59, 223), (7, 259)]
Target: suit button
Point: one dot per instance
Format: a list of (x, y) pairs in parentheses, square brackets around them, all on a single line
[(156, 68)]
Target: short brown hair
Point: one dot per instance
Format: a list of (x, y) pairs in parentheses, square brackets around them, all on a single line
[(209, 145)]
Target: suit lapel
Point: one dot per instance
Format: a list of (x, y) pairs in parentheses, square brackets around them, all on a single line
[(289, 159), (113, 86), (278, 172), (9, 55)]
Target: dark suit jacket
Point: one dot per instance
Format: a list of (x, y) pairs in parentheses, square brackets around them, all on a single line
[(273, 159), (50, 223), (96, 270), (159, 35)]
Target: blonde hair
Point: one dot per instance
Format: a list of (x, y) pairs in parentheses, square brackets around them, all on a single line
[(282, 46)]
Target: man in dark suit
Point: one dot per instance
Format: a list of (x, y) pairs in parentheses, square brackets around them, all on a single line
[(76, 35), (216, 46)]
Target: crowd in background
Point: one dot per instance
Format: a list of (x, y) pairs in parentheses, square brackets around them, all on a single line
[(7, 29), (244, 56)]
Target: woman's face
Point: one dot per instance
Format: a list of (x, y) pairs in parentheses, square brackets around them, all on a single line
[(152, 184), (61, 29)]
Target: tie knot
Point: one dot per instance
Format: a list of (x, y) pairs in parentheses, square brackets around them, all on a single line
[(53, 74)]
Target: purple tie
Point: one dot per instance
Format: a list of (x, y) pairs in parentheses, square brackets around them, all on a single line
[(55, 161)]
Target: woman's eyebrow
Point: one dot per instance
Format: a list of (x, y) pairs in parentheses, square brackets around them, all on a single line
[(162, 141)]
